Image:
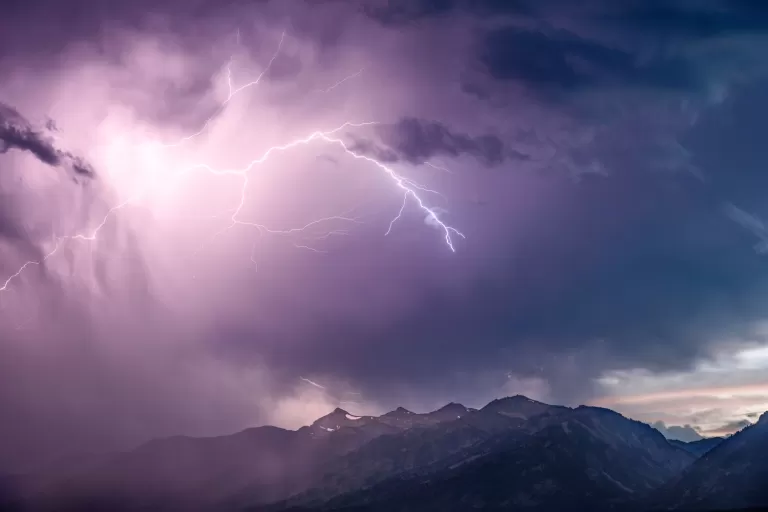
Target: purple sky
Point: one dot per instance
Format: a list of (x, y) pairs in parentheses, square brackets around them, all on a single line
[(604, 165)]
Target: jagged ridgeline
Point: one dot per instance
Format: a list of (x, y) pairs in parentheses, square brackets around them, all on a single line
[(513, 454)]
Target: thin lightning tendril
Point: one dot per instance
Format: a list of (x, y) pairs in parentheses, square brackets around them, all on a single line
[(408, 187), (438, 167), (399, 214), (312, 383), (340, 82), (309, 248)]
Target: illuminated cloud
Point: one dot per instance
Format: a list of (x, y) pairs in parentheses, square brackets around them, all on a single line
[(718, 396)]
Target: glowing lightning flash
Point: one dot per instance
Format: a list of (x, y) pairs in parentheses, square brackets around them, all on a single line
[(232, 93), (408, 187)]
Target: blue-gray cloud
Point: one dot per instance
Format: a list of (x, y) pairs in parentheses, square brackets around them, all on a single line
[(417, 141), (731, 427)]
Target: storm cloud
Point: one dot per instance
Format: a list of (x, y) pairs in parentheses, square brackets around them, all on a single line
[(17, 133), (615, 246), (731, 427), (416, 141)]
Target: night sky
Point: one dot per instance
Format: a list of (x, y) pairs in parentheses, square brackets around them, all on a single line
[(221, 214)]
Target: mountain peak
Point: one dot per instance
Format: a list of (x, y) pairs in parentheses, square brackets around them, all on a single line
[(453, 406), (517, 398), (517, 406), (599, 410), (449, 411), (336, 413), (513, 400), (332, 419), (763, 420), (400, 411)]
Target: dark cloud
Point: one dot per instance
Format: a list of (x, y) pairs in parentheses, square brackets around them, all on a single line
[(675, 18), (631, 275), (731, 427), (633, 269), (417, 141), (557, 51), (693, 19), (636, 269), (17, 133), (400, 12), (562, 60)]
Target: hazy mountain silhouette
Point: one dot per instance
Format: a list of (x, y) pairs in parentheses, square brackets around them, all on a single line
[(699, 447), (514, 453)]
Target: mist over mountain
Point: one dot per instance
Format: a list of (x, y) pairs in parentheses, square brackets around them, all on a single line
[(513, 453)]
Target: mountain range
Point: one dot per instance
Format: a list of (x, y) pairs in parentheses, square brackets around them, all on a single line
[(513, 454)]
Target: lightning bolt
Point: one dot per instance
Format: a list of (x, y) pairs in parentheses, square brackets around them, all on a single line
[(312, 383), (232, 93), (438, 167), (340, 82), (409, 188), (28, 264)]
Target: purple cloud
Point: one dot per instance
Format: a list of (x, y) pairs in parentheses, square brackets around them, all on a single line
[(174, 321)]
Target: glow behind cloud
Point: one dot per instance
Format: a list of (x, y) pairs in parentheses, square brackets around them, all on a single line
[(142, 173)]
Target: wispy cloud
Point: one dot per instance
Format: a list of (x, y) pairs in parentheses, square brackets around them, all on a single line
[(751, 223)]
